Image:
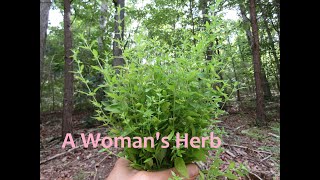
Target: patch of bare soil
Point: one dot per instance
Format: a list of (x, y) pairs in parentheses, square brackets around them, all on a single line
[(257, 148), (72, 164)]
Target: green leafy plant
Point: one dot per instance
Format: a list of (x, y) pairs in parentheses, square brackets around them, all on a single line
[(232, 171), (159, 89)]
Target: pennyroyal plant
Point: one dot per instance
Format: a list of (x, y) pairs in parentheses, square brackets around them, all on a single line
[(159, 89)]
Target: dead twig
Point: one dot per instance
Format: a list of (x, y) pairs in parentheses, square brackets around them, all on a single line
[(266, 158), (274, 135), (239, 127), (230, 153), (98, 164), (248, 177), (225, 127), (61, 154), (52, 144), (266, 152), (58, 155), (95, 174), (255, 175)]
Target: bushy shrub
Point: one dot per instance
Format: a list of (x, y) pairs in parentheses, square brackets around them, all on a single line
[(159, 89)]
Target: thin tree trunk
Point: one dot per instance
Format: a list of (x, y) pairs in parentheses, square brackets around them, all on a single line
[(246, 20), (273, 49), (209, 52), (244, 66), (44, 16), (265, 82), (277, 5), (260, 116), (275, 73), (192, 21), (118, 33), (53, 103), (101, 44), (265, 85), (234, 72), (68, 76), (205, 19), (103, 23), (51, 81)]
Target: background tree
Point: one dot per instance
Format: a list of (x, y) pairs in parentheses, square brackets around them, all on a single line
[(68, 75), (260, 115), (44, 15), (118, 32)]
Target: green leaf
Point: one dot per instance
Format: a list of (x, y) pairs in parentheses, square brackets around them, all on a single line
[(81, 67), (136, 166), (96, 68), (113, 109), (231, 165), (149, 161), (193, 130), (149, 148), (115, 131), (102, 150), (230, 175), (199, 154), (160, 153), (95, 53), (112, 95), (171, 135), (181, 167), (201, 175)]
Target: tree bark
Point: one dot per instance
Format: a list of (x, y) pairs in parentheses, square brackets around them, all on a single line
[(273, 49), (265, 85), (118, 33), (101, 44), (204, 11), (277, 5), (260, 111), (52, 83), (68, 76), (244, 65), (192, 21), (44, 16), (246, 20), (234, 72), (103, 23)]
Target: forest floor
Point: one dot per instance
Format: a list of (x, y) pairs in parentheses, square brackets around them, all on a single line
[(257, 148)]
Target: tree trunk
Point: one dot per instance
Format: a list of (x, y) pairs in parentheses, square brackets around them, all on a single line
[(204, 11), (260, 116), (103, 23), (68, 76), (277, 5), (52, 83), (101, 44), (273, 49), (275, 73), (192, 21), (265, 82), (245, 20), (118, 33), (44, 16), (234, 72), (265, 85)]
